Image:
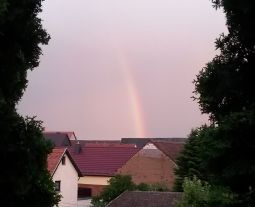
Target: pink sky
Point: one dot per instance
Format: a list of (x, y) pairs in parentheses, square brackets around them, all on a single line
[(122, 68)]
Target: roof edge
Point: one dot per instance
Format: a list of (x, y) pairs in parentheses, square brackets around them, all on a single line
[(56, 167)]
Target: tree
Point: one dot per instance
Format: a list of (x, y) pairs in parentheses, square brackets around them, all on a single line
[(227, 160), (24, 176), (2, 6), (21, 33), (223, 155), (198, 193), (226, 84), (189, 160), (225, 90)]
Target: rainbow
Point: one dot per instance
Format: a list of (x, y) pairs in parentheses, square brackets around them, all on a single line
[(135, 102)]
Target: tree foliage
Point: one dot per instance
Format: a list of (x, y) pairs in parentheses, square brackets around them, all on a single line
[(24, 176), (189, 160), (222, 155), (198, 193), (224, 89), (226, 84), (21, 34)]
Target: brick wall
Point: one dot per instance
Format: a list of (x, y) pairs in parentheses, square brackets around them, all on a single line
[(150, 166)]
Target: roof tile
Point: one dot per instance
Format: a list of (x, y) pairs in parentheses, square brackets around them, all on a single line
[(54, 158), (101, 160)]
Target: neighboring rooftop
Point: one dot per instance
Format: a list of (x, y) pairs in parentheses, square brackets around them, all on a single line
[(101, 159), (88, 141), (58, 139), (146, 199), (141, 142), (70, 134), (109, 145)]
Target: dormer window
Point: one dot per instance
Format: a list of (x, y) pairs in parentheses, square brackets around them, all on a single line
[(63, 160)]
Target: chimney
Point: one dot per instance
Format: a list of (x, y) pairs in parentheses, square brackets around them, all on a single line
[(77, 148)]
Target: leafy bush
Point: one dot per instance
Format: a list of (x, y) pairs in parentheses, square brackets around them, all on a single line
[(143, 187), (199, 193), (158, 187)]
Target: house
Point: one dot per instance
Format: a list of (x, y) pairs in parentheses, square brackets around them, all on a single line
[(98, 163), (146, 198), (153, 164), (65, 174)]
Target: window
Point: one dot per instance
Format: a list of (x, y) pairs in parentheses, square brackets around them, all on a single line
[(63, 160), (57, 185), (84, 193)]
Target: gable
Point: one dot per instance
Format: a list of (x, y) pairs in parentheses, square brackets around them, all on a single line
[(149, 146), (66, 169), (55, 158), (150, 165)]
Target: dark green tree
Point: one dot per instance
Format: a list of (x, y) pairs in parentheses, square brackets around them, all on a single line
[(225, 90), (2, 6), (226, 84), (189, 159), (23, 177), (21, 34), (228, 159)]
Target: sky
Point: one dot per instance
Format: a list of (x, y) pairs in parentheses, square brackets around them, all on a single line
[(122, 68)]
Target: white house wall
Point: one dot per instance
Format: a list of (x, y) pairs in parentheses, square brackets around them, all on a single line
[(69, 183)]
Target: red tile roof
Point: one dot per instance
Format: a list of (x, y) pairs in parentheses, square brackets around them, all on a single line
[(146, 199), (171, 149), (54, 158), (101, 160)]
